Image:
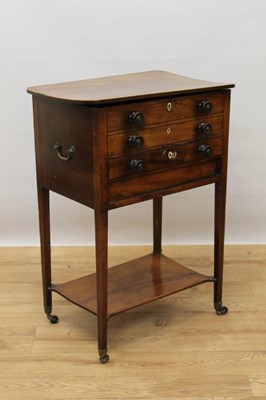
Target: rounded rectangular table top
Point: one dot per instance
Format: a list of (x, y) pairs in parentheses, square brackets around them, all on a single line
[(128, 87)]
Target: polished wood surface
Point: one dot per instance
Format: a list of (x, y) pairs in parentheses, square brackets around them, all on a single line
[(175, 348), (157, 160), (79, 154), (68, 125), (124, 87), (101, 155), (162, 182), (132, 284), (163, 112), (163, 135)]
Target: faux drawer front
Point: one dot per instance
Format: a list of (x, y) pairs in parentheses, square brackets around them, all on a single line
[(162, 111), (161, 181), (166, 157), (65, 150), (123, 143)]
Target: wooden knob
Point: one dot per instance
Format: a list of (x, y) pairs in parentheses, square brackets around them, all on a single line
[(204, 150), (136, 118), (135, 141), (204, 128), (137, 165), (205, 107)]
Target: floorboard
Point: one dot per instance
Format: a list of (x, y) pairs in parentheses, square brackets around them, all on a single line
[(174, 348)]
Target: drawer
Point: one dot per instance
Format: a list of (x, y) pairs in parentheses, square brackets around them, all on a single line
[(163, 181), (164, 158), (139, 115), (126, 143), (69, 126)]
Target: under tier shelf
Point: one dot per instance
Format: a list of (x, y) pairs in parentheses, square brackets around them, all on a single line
[(132, 284)]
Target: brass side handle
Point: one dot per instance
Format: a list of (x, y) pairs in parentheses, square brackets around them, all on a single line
[(70, 152)]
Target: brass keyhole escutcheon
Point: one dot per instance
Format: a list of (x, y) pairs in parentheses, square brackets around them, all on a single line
[(172, 155), (169, 106), (168, 131)]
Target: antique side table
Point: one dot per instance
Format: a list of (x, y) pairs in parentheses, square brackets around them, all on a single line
[(115, 141)]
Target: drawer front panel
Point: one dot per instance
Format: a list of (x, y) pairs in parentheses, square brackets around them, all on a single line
[(163, 158), (164, 135), (162, 111), (134, 187)]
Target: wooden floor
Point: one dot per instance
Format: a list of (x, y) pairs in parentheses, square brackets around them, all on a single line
[(174, 348)]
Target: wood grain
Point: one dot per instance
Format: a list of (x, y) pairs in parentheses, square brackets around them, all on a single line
[(157, 112), (132, 284), (68, 126), (135, 188), (124, 87), (163, 135), (174, 348), (157, 160)]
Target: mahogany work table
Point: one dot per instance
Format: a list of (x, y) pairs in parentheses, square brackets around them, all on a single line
[(115, 141)]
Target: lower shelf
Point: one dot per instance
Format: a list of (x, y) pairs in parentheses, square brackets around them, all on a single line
[(132, 284)]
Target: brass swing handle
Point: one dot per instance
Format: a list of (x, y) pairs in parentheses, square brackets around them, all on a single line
[(70, 152)]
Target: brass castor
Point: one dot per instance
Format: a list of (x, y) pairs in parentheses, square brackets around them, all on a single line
[(53, 318), (104, 358), (220, 309)]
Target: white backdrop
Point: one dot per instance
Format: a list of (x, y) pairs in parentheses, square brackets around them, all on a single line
[(47, 41)]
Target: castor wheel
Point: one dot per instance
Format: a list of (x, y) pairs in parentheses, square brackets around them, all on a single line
[(52, 318), (104, 358), (220, 309)]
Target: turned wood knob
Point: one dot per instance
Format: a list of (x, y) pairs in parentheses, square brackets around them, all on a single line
[(137, 165), (204, 128), (205, 107), (204, 151), (136, 118), (135, 141)]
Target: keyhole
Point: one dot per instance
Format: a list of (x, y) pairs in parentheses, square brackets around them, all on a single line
[(169, 106), (172, 155)]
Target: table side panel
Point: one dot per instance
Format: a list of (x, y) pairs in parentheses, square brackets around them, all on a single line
[(67, 125)]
